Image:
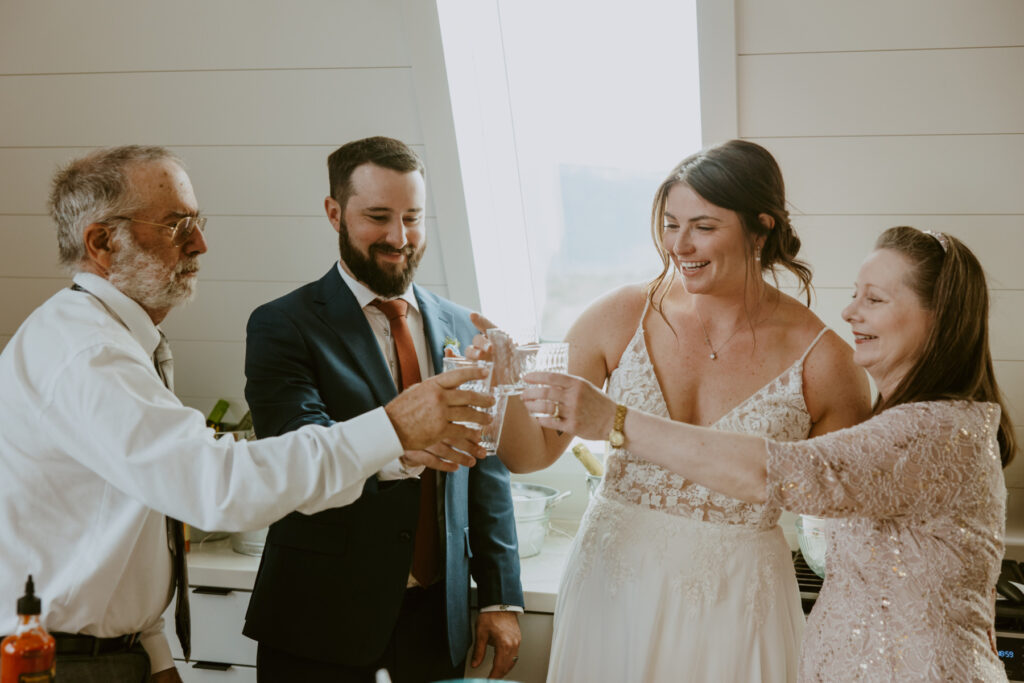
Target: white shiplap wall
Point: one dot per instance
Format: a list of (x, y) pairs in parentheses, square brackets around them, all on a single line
[(885, 114), (253, 96)]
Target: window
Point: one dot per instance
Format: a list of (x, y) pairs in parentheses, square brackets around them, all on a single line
[(567, 117)]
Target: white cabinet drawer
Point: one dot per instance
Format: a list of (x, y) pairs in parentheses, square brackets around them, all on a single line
[(217, 619), (232, 674)]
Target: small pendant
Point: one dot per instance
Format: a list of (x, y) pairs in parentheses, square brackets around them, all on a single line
[(714, 356)]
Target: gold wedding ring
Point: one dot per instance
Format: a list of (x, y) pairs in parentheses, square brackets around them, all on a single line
[(557, 414)]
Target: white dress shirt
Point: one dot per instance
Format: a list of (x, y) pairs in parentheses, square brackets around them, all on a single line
[(95, 451)]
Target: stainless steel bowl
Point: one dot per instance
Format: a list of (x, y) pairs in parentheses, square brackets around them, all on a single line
[(532, 505)]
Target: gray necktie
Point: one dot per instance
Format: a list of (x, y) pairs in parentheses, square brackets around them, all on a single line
[(176, 530), (164, 362)]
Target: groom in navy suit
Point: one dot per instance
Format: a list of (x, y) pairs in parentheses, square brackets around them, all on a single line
[(382, 582)]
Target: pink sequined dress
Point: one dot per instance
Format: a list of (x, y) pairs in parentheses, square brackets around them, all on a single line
[(669, 581), (918, 501)]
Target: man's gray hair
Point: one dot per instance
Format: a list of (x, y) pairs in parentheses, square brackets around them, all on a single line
[(94, 189)]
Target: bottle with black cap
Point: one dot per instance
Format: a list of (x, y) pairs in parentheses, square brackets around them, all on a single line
[(30, 655)]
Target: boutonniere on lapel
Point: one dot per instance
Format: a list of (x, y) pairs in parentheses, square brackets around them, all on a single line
[(450, 343)]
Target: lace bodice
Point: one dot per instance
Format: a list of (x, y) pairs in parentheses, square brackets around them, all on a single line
[(920, 501), (776, 411)]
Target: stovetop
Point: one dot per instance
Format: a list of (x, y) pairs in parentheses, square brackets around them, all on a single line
[(1009, 612)]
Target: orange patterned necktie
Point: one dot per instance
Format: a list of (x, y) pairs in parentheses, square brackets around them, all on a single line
[(426, 554)]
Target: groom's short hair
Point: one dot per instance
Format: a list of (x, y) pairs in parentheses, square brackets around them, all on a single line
[(379, 150)]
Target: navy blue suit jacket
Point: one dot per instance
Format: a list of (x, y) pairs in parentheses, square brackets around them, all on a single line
[(330, 585)]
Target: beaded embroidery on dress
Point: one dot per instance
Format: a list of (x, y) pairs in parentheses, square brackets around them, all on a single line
[(663, 570)]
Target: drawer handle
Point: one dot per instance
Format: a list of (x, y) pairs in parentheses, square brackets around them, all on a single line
[(212, 590), (211, 666)]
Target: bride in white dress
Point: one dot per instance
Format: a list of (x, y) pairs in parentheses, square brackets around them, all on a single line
[(668, 581)]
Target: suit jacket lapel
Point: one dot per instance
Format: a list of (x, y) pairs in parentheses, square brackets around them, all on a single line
[(437, 324), (341, 312)]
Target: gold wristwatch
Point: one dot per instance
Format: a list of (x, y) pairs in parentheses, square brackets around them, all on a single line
[(615, 437)]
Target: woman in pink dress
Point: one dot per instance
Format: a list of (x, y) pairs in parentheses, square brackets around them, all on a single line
[(915, 495)]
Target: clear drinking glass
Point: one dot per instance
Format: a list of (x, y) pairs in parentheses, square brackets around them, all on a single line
[(491, 432), (538, 357)]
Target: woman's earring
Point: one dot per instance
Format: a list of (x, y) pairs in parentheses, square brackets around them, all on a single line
[(757, 253)]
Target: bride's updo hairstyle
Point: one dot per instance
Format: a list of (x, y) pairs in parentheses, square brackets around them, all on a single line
[(955, 361), (742, 177)]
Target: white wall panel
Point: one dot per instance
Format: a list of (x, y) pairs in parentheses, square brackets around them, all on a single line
[(274, 180), (1006, 324), (20, 296), (286, 249), (835, 246), (210, 368), (1015, 472), (977, 174), (912, 92), (1010, 375), (221, 309), (25, 175), (198, 34), (1006, 335), (257, 248), (30, 247), (297, 107), (822, 26)]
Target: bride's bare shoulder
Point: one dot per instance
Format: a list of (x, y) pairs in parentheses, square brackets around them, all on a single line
[(609, 321), (836, 389)]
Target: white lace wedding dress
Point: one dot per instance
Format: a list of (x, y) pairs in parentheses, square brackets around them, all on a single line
[(668, 581)]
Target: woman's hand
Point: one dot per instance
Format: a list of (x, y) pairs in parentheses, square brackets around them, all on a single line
[(570, 404)]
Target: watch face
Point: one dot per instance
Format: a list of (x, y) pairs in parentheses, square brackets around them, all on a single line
[(616, 439)]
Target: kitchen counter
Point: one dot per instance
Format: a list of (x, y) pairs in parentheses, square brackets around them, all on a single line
[(216, 564)]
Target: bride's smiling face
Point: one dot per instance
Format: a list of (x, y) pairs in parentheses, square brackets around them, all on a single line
[(707, 244)]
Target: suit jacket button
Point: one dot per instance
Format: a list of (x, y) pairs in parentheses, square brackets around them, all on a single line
[(405, 536)]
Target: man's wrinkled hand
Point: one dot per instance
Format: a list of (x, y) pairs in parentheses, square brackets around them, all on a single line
[(425, 413), (501, 631)]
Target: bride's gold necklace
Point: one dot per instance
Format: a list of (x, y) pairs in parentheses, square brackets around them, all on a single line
[(707, 339)]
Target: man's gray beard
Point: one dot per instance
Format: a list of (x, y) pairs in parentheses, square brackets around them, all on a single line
[(144, 279)]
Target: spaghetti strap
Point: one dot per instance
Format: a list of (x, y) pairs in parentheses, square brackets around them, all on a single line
[(643, 315), (813, 343)]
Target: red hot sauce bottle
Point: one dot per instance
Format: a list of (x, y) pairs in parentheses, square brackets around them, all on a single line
[(28, 656)]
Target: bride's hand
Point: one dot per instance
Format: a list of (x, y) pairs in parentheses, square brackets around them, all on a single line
[(571, 404)]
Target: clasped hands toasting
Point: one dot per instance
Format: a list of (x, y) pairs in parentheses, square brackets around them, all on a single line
[(481, 385)]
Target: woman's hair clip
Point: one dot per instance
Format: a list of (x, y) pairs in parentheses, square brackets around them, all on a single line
[(940, 238)]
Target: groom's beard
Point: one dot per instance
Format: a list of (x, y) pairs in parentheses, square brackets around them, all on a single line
[(385, 281)]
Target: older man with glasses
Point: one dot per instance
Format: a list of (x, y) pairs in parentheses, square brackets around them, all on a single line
[(98, 457)]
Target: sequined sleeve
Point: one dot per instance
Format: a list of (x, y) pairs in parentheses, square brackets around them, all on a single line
[(912, 458)]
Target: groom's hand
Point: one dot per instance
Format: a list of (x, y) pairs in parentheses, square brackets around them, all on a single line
[(500, 630)]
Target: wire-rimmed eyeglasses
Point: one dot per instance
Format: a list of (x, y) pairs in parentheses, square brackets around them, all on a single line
[(180, 231)]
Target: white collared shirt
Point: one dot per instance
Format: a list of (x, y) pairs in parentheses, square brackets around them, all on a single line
[(382, 327), (95, 451)]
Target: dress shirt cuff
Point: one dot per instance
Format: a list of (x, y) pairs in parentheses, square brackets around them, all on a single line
[(502, 608), (396, 470), (373, 439), (159, 651)]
